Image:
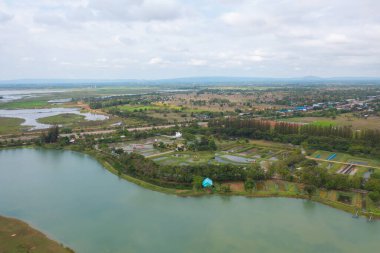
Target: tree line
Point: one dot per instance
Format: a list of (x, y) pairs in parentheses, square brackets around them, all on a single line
[(332, 138)]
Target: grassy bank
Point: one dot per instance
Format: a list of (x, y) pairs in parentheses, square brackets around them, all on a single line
[(10, 125), (62, 119), (17, 236), (139, 182)]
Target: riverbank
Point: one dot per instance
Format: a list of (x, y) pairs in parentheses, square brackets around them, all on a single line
[(236, 192), (267, 192), (18, 236)]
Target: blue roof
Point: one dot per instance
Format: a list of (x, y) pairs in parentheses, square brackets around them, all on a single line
[(301, 108), (207, 182)]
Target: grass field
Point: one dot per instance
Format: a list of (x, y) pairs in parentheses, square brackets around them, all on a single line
[(18, 237), (78, 121), (185, 158), (10, 125), (25, 104), (62, 119), (372, 122), (157, 106), (324, 123)]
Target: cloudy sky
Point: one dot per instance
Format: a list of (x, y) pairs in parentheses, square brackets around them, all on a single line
[(176, 38)]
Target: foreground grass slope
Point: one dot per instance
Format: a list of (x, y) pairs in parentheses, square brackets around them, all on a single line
[(17, 236)]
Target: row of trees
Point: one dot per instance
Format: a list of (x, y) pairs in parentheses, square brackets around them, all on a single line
[(318, 137)]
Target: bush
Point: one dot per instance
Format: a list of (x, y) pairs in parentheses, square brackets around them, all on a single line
[(249, 184), (310, 190), (374, 196)]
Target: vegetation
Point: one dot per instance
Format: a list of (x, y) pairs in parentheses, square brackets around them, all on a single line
[(24, 104), (314, 137), (62, 119), (51, 136), (251, 141), (10, 125), (17, 236)]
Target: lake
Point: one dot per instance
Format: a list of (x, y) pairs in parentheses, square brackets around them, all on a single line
[(74, 200)]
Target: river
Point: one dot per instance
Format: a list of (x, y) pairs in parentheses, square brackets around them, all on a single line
[(74, 200)]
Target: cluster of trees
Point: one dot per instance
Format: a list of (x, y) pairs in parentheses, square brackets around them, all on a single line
[(321, 178), (138, 166), (247, 128), (202, 145), (103, 102), (318, 137), (142, 116), (373, 185), (51, 136)]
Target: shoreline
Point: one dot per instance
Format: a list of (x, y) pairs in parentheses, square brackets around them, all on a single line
[(260, 194), (191, 193), (16, 233)]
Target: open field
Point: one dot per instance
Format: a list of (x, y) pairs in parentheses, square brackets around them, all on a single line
[(18, 237), (372, 122), (324, 123), (10, 125), (64, 119), (25, 104), (228, 153)]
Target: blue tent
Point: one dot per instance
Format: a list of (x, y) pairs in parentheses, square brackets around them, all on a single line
[(207, 182)]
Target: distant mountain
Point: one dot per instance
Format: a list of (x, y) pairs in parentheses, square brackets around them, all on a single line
[(312, 78), (199, 81)]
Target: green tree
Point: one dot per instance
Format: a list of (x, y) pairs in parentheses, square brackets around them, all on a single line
[(212, 145), (249, 184), (197, 182), (51, 136), (310, 190), (374, 196)]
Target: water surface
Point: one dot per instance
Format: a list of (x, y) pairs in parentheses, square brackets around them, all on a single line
[(32, 115), (74, 200)]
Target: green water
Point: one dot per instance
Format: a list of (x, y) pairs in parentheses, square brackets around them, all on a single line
[(71, 198)]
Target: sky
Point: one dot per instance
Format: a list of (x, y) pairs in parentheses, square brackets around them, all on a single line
[(153, 39)]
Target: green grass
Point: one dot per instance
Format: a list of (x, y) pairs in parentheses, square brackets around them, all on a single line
[(18, 237), (10, 125), (324, 123), (62, 119), (181, 158), (343, 157), (28, 104), (132, 108)]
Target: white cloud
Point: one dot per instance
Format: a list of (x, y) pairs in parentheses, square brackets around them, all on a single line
[(4, 17), (142, 38), (197, 62), (157, 61), (337, 38)]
